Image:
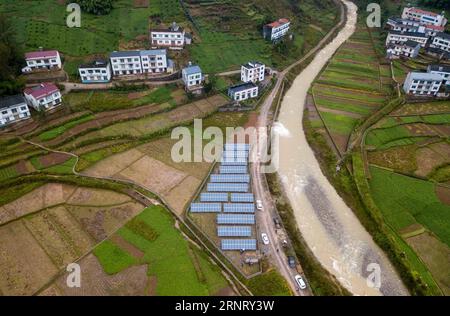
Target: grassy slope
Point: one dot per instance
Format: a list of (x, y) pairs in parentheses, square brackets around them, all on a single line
[(178, 269)]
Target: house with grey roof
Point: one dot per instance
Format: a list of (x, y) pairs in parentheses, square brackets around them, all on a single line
[(13, 109), (442, 70), (408, 49), (192, 77), (253, 71), (97, 71), (139, 62), (441, 41), (397, 37), (243, 91), (172, 37), (422, 84)]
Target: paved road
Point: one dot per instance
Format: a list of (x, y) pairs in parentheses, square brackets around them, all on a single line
[(265, 218)]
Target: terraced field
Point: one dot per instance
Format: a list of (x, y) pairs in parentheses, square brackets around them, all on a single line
[(353, 86)]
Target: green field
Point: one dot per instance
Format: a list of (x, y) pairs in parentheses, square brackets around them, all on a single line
[(179, 268), (55, 132), (405, 200)]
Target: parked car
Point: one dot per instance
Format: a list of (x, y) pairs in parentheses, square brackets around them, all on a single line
[(265, 238), (259, 205), (301, 283), (277, 223), (291, 262)]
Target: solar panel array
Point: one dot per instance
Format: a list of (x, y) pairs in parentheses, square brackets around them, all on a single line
[(235, 219), (214, 197), (232, 146), (233, 169), (242, 197), (230, 178), (206, 207), (234, 231), (238, 244), (239, 208), (227, 187)]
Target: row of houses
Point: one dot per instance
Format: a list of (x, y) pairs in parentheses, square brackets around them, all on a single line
[(417, 29), (44, 96), (251, 73)]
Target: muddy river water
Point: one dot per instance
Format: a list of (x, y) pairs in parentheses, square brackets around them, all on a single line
[(332, 231)]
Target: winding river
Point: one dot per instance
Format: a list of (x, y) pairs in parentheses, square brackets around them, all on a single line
[(328, 225)]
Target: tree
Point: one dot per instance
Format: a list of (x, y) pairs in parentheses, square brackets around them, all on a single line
[(11, 59), (97, 7)]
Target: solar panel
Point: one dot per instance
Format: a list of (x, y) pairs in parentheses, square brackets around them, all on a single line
[(233, 146), (234, 161), (214, 197), (239, 208), (235, 154), (227, 187), (206, 207), (234, 231), (233, 169), (238, 244), (242, 197), (235, 219), (230, 178)]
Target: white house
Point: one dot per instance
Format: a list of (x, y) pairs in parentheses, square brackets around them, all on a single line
[(12, 109), (172, 37), (409, 49), (97, 71), (422, 84), (395, 37), (442, 70), (441, 41), (43, 96), (139, 62), (276, 30), (42, 60), (243, 91), (424, 17), (192, 76), (253, 71)]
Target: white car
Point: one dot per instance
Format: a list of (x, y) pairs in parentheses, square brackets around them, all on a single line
[(301, 283), (259, 205), (265, 239)]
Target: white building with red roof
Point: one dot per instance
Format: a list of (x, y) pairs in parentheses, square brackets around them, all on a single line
[(43, 96), (276, 30), (49, 59), (423, 16)]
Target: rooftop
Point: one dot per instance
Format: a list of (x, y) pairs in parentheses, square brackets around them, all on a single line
[(425, 76), (412, 34), (253, 64), (193, 69), (153, 52), (173, 28), (41, 90), (242, 87), (443, 35), (420, 11), (442, 68), (127, 53), (278, 23), (98, 63), (412, 44), (6, 102), (42, 54)]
